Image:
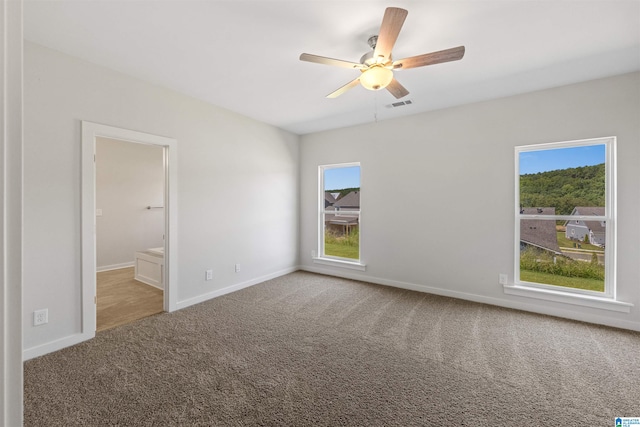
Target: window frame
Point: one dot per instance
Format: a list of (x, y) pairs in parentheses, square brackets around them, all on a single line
[(609, 217), (321, 257)]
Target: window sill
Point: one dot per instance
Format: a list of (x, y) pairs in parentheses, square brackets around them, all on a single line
[(353, 265), (564, 297)]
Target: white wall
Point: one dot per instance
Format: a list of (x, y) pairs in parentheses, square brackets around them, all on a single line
[(237, 187), (129, 177), (438, 191), (11, 140)]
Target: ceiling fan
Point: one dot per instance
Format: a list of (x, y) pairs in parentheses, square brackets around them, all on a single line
[(377, 66)]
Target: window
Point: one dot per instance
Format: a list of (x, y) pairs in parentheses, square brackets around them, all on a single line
[(565, 217), (339, 219)]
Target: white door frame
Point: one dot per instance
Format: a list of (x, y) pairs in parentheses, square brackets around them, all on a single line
[(90, 131), (11, 223)]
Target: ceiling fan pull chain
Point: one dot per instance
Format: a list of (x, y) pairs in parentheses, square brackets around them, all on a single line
[(375, 110)]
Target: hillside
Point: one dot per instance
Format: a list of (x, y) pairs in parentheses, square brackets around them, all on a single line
[(564, 189)]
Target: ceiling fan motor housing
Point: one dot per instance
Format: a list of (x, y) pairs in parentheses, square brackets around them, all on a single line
[(368, 59)]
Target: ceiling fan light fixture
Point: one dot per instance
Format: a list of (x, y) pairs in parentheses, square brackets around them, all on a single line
[(376, 78)]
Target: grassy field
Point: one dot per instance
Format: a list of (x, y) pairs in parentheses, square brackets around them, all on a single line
[(568, 282), (339, 250), (563, 242), (344, 246), (539, 266)]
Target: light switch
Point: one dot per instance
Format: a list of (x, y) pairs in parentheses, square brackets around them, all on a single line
[(98, 212)]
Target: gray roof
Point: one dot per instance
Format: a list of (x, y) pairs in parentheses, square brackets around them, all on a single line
[(539, 232), (329, 200), (588, 210), (351, 200)]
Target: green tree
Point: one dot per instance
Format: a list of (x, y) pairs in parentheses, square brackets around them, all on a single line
[(564, 189)]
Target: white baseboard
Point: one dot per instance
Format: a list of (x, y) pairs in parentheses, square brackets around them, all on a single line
[(56, 345), (59, 344), (148, 283), (517, 305), (233, 288), (115, 266)]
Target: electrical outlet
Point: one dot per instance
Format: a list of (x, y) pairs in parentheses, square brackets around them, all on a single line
[(40, 317), (208, 275), (313, 254), (503, 279), (237, 268)]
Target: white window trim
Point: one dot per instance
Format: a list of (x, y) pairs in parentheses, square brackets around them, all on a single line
[(606, 300), (340, 262), (325, 259), (568, 298)]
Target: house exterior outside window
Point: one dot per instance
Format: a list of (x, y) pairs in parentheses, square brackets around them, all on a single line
[(339, 215), (565, 217)]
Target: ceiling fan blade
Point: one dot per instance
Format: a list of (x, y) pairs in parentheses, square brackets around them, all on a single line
[(330, 61), (446, 55), (397, 89), (389, 29), (344, 88)]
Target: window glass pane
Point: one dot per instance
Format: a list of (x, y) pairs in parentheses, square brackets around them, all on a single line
[(564, 179), (341, 218), (563, 253)]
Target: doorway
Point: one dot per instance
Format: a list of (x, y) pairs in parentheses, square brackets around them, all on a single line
[(129, 231), (92, 133)]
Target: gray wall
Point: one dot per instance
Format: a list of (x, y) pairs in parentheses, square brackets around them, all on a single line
[(129, 177), (449, 176), (222, 158)]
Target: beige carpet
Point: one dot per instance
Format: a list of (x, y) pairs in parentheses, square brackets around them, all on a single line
[(306, 349)]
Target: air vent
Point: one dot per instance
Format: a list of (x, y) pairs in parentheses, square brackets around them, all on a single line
[(400, 104)]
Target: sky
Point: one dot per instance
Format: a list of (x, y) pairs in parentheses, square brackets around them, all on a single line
[(561, 158), (339, 178)]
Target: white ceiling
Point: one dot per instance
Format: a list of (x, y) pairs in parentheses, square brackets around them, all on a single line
[(243, 55)]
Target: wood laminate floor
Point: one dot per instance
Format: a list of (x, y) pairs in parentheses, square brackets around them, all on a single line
[(122, 299)]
